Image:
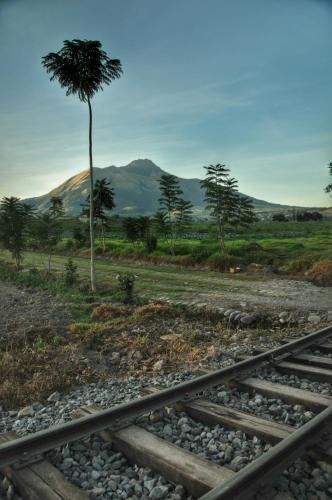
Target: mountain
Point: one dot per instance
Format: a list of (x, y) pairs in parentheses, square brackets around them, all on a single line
[(136, 190)]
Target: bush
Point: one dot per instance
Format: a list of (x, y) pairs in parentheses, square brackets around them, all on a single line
[(200, 253), (151, 243), (126, 283), (321, 273), (71, 276), (221, 262)]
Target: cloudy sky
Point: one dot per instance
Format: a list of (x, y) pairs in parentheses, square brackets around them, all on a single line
[(242, 83)]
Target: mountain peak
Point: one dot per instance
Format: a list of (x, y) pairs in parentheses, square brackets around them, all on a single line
[(136, 189), (144, 166)]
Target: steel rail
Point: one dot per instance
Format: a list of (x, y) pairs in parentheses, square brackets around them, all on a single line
[(27, 447), (268, 466)]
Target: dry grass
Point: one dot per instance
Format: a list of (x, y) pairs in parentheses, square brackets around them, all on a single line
[(321, 273), (32, 376)]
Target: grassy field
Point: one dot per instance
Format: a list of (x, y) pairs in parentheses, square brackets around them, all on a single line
[(294, 246), (151, 279)]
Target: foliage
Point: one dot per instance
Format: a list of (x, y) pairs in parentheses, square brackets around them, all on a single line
[(279, 218), (103, 199), (328, 188), (151, 243), (126, 284), (174, 213), (226, 206), (183, 215), (71, 276), (47, 229), (307, 215), (14, 219)]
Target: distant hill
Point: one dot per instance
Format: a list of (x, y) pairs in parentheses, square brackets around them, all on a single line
[(136, 190)]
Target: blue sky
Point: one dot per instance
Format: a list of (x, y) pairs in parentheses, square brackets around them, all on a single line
[(246, 83)]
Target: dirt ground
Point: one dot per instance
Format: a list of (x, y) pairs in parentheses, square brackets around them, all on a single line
[(23, 310), (276, 295)]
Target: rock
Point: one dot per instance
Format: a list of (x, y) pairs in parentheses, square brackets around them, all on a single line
[(27, 411), (314, 318), (95, 474), (158, 365), (238, 462), (249, 319), (138, 355), (283, 315), (321, 484), (98, 491), (158, 492), (55, 396), (10, 493)]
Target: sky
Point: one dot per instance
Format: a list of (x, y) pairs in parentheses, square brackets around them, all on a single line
[(244, 83)]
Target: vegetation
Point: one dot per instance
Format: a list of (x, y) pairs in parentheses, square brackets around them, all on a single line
[(227, 208), (174, 212), (14, 219), (83, 68), (103, 199)]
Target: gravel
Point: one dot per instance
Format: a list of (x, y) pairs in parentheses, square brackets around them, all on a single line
[(322, 388), (230, 448), (104, 473)]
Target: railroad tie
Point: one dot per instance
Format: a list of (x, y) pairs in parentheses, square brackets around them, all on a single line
[(39, 479), (176, 464)]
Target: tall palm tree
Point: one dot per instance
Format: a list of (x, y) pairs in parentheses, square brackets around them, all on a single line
[(83, 68)]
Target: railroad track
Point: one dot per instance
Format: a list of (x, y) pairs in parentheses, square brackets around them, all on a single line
[(23, 462)]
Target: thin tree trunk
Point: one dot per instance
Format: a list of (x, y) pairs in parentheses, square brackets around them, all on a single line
[(103, 236), (92, 239)]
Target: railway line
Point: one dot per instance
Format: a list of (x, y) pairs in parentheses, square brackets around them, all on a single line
[(24, 459)]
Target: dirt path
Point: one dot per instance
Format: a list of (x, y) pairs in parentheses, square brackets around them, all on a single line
[(274, 295)]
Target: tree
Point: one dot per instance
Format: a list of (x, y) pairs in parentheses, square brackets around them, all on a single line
[(160, 223), (103, 199), (130, 228), (56, 207), (14, 219), (173, 211), (83, 68), (280, 218), (47, 230), (183, 215), (226, 206), (328, 188)]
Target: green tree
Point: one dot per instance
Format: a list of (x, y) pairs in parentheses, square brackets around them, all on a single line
[(226, 206), (56, 207), (47, 231), (103, 199), (173, 211), (82, 67), (130, 228), (160, 223), (183, 215), (14, 220), (328, 188)]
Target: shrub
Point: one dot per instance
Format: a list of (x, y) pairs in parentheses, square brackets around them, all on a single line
[(321, 272), (221, 262), (200, 253), (71, 276), (126, 283), (151, 243)]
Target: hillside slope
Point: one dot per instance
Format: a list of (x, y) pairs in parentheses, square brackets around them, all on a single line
[(136, 190)]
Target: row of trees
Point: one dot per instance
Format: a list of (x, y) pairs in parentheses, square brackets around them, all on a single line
[(298, 217), (19, 222)]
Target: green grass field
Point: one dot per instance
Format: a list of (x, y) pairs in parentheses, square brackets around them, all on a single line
[(274, 243)]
